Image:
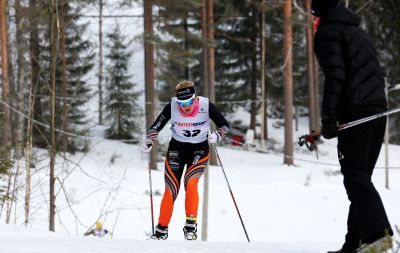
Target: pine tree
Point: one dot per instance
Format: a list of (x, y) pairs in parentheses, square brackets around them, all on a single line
[(386, 37), (79, 60), (121, 102), (179, 55), (237, 55)]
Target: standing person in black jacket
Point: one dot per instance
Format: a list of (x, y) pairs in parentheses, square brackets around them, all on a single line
[(353, 89)]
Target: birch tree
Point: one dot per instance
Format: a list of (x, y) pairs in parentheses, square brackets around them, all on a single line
[(54, 48)]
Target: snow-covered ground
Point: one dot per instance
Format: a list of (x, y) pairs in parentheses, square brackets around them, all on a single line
[(296, 209), (293, 209)]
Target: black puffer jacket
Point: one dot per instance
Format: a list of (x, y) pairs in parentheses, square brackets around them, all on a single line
[(353, 77)]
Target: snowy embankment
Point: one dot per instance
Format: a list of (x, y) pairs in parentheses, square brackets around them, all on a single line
[(15, 239), (296, 209)]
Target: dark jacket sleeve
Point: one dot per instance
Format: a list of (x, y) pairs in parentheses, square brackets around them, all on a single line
[(162, 119), (217, 117), (329, 52)]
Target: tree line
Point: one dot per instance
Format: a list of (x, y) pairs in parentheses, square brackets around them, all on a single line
[(46, 64), (263, 56)]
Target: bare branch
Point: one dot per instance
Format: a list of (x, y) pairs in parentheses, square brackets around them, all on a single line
[(301, 10), (363, 6)]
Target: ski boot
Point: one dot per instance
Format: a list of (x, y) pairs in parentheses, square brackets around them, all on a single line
[(381, 245), (341, 251), (190, 229), (349, 246), (160, 233), (345, 249)]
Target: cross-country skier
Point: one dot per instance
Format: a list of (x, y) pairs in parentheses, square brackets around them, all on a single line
[(353, 89), (190, 117), (98, 231)]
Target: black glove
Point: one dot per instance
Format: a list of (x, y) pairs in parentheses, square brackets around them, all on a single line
[(329, 128)]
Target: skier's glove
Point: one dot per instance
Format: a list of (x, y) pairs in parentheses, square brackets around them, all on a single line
[(218, 135), (148, 141), (329, 128), (213, 137), (147, 145)]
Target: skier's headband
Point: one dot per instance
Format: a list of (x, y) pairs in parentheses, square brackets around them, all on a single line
[(184, 94)]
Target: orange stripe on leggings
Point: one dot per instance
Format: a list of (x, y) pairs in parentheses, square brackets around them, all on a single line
[(200, 161), (200, 169), (171, 173)]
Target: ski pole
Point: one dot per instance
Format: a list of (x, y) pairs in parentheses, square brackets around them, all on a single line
[(309, 139), (151, 195), (366, 119), (230, 190)]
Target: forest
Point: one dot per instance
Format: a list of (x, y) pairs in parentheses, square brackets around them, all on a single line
[(250, 55)]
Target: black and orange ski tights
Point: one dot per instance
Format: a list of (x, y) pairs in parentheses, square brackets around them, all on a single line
[(179, 154)]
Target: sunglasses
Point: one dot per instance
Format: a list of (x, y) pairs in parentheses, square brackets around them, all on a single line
[(187, 102)]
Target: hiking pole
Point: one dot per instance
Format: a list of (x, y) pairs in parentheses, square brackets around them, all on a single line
[(230, 190), (151, 195)]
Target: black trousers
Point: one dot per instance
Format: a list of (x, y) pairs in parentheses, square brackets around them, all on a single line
[(358, 151)]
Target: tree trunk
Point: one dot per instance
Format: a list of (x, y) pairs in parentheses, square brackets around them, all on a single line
[(313, 124), (36, 85), (210, 50), (13, 194), (211, 61), (64, 78), (100, 62), (203, 13), (52, 149), (264, 121), (317, 94), (186, 45), (253, 78), (207, 14), (149, 74), (288, 77), (4, 70), (11, 89), (9, 194), (253, 83), (28, 158), (34, 78), (19, 126)]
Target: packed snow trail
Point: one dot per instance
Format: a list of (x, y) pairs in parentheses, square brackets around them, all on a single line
[(15, 239)]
